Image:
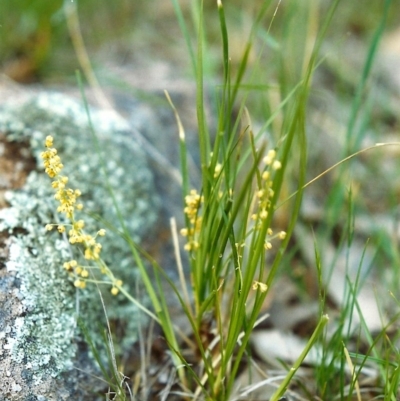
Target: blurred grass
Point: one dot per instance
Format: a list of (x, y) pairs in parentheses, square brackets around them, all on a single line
[(35, 43)]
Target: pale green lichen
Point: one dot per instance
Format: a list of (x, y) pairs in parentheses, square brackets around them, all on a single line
[(43, 338)]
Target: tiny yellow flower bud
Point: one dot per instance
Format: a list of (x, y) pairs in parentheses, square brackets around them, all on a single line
[(217, 170), (184, 232), (282, 235), (49, 227), (258, 285), (73, 263), (88, 254), (270, 157), (84, 273), (276, 165), (268, 245), (80, 224), (61, 228), (49, 141), (79, 283), (102, 232), (114, 290), (265, 175)]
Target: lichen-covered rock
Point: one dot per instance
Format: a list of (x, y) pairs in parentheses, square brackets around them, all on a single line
[(39, 305)]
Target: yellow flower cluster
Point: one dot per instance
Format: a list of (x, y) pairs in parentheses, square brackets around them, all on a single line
[(67, 198), (53, 166), (264, 195), (193, 202)]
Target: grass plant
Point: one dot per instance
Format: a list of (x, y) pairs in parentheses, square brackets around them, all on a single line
[(235, 253)]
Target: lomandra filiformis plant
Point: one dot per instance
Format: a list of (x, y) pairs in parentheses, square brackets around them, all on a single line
[(228, 233)]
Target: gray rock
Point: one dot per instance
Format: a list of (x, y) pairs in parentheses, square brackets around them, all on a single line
[(39, 338)]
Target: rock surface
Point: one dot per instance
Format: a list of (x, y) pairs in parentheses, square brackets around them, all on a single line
[(42, 353)]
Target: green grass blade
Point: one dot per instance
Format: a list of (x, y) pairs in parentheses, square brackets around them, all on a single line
[(185, 33)]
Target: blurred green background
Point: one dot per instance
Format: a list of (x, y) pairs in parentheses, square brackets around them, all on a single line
[(35, 43)]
